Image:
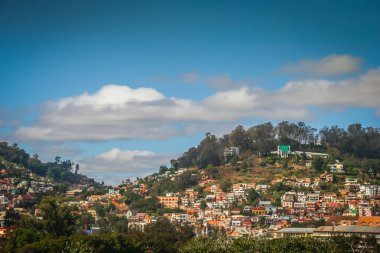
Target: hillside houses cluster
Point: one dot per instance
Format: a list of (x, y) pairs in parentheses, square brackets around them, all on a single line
[(226, 211), (18, 193)]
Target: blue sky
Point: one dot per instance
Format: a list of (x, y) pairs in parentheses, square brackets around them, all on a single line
[(178, 69)]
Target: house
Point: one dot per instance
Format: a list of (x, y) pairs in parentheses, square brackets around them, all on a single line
[(73, 192), (261, 187), (230, 152), (258, 210), (299, 208), (215, 188), (239, 189), (325, 177), (169, 201), (336, 167), (351, 184), (312, 197), (370, 190), (303, 182), (247, 209), (237, 232), (287, 199), (266, 204), (364, 208)]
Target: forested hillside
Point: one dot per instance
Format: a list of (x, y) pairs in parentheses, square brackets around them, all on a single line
[(59, 170), (361, 143)]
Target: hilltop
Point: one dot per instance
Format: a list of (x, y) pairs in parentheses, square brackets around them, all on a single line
[(249, 155), (24, 179)]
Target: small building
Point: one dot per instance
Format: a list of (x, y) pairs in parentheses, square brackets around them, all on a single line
[(231, 152), (348, 231), (293, 232), (336, 167), (169, 201), (283, 151)]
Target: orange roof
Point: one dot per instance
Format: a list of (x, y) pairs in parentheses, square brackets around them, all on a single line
[(212, 222), (368, 221)]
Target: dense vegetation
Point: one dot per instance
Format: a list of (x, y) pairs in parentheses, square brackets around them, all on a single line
[(355, 141), (283, 245), (62, 229)]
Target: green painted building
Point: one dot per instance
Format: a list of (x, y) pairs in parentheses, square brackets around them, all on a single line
[(283, 151)]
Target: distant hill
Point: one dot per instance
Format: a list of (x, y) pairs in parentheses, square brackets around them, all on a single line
[(19, 163)]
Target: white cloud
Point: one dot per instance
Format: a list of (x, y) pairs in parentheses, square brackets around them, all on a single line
[(190, 77), (116, 165), (328, 66), (120, 112), (361, 92)]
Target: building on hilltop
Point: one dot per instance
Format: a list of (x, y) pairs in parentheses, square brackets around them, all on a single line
[(230, 152), (283, 151)]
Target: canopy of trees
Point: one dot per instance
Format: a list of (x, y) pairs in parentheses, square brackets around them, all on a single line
[(354, 141), (59, 170)]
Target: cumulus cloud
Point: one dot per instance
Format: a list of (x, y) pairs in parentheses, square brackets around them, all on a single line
[(327, 66), (361, 92), (121, 112), (190, 77), (115, 165)]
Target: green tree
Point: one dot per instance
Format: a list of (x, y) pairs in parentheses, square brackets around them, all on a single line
[(146, 205), (203, 204), (58, 219), (226, 185), (11, 217), (253, 196), (160, 236), (318, 164)]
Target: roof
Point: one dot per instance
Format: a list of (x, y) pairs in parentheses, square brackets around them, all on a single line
[(337, 219), (368, 221), (297, 230), (284, 147), (348, 229)]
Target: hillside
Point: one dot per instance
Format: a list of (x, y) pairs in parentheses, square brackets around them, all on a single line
[(356, 146), (17, 166), (216, 190)]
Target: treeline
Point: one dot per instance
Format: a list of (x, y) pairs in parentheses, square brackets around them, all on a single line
[(59, 170), (63, 229), (180, 183), (282, 245), (354, 141)]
